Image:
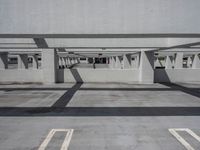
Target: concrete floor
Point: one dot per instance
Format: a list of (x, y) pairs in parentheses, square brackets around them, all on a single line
[(103, 116)]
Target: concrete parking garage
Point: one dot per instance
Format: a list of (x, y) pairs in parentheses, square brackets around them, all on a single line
[(99, 75)]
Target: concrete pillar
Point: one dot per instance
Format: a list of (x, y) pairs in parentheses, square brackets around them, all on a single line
[(68, 61), (178, 61), (35, 62), (3, 60), (136, 61), (196, 62), (72, 61), (146, 67), (63, 62), (60, 62), (49, 65), (157, 63), (168, 62), (78, 61), (22, 61), (113, 61), (110, 62), (189, 62), (117, 62), (127, 61)]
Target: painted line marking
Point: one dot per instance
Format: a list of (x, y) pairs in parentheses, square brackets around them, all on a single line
[(173, 131), (66, 141)]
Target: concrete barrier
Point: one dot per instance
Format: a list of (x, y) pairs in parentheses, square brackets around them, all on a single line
[(22, 75), (98, 75), (177, 75)]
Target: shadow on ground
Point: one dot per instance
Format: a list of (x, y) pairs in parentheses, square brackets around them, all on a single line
[(60, 108)]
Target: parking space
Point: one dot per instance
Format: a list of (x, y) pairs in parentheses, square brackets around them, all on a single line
[(102, 116)]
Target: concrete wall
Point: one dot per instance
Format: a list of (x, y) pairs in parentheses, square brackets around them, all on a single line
[(98, 75), (177, 75), (14, 75), (99, 16)]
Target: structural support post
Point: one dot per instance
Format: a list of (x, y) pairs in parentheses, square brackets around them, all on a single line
[(63, 62), (189, 62), (168, 62), (113, 61), (3, 60), (49, 65), (135, 62), (146, 67), (35, 61), (127, 61), (179, 61), (22, 61), (196, 62), (117, 62)]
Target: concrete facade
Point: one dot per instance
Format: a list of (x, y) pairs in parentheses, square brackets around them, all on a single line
[(138, 37)]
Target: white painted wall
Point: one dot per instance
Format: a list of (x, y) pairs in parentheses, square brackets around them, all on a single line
[(98, 75), (22, 75), (177, 75)]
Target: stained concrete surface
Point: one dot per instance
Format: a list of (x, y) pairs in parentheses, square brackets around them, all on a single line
[(103, 116)]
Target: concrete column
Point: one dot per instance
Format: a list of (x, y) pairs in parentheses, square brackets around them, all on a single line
[(127, 61), (117, 62), (178, 61), (189, 60), (63, 62), (78, 61), (49, 65), (111, 62), (60, 62), (72, 61), (35, 61), (136, 61), (3, 60), (22, 61), (157, 63), (68, 61), (196, 62), (146, 67), (168, 62)]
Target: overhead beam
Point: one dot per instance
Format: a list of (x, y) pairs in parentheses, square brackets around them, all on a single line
[(42, 36), (40, 42)]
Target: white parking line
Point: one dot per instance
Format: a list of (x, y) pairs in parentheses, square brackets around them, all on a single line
[(66, 142), (181, 140)]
